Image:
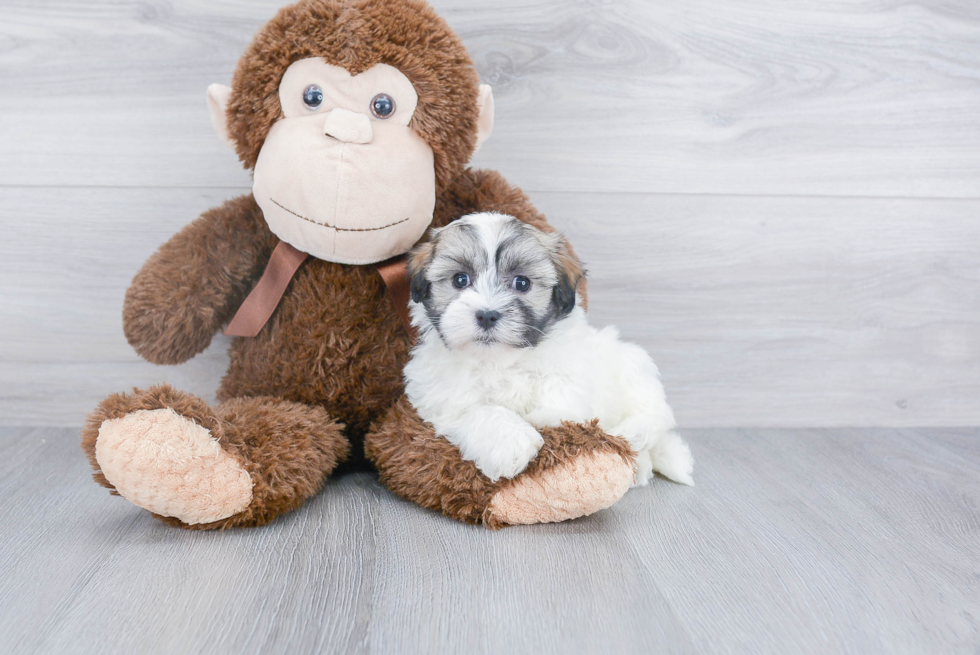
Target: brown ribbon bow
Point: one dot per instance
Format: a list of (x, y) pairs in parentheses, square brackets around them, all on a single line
[(260, 304)]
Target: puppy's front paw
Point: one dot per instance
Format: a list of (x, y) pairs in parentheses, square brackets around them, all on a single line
[(508, 449)]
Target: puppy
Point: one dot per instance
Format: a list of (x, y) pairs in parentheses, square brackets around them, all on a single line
[(504, 350)]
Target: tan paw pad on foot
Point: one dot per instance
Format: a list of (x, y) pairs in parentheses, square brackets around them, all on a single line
[(581, 487), (171, 466)]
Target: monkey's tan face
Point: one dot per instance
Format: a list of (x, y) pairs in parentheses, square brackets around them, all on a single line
[(342, 176)]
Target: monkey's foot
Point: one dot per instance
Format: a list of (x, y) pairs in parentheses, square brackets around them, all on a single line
[(582, 486), (159, 449), (171, 466), (579, 470), (239, 464)]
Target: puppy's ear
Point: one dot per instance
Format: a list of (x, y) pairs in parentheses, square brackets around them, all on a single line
[(420, 288), (570, 273), (418, 260)]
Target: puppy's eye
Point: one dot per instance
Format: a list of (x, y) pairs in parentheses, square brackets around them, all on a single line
[(382, 106), (313, 96), (521, 283), (461, 280)]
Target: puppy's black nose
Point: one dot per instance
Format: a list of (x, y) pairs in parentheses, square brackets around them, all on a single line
[(487, 319)]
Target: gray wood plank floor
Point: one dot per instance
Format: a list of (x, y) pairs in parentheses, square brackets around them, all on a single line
[(815, 541)]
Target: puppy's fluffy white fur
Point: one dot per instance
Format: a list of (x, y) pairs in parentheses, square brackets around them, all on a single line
[(488, 390)]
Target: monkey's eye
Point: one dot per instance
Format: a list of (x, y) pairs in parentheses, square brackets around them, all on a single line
[(313, 96), (461, 280), (382, 106), (521, 284)]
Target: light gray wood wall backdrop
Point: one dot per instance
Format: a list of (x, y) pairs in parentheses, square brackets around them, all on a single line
[(779, 199)]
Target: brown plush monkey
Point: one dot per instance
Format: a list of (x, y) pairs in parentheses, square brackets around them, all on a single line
[(358, 119)]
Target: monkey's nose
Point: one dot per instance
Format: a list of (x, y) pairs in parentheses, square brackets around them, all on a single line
[(487, 319), (348, 126)]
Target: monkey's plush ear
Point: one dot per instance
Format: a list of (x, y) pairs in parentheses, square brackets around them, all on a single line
[(484, 124), (218, 95)]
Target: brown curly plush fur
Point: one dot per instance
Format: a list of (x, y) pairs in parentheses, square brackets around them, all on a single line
[(287, 448), (196, 281), (302, 396)]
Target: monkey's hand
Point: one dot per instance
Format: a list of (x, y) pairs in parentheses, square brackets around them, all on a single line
[(196, 281)]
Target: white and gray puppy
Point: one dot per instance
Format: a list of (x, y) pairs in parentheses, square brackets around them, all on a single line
[(505, 350)]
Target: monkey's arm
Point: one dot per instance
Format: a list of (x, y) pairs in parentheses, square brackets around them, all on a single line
[(196, 281)]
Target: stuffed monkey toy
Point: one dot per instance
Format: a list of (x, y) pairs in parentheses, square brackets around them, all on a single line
[(357, 119)]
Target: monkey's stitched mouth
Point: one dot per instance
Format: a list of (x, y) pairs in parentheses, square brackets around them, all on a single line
[(334, 227)]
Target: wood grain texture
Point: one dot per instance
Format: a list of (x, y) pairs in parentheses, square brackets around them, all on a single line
[(791, 311), (809, 541), (760, 311), (866, 97)]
